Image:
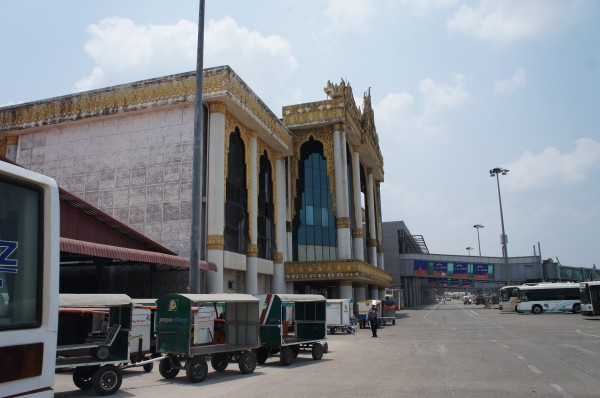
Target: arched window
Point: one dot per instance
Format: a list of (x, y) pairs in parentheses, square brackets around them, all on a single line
[(236, 203), (314, 232), (266, 216)]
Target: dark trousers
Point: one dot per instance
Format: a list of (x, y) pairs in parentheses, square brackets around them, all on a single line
[(374, 327)]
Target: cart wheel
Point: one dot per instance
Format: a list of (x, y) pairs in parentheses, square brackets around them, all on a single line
[(286, 356), (219, 361), (296, 350), (383, 322), (332, 330), (167, 368), (196, 369), (325, 347), (393, 321), (262, 354), (148, 367), (317, 351), (101, 352), (107, 380), (247, 362), (82, 377)]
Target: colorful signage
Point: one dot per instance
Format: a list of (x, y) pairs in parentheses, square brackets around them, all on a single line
[(444, 269)]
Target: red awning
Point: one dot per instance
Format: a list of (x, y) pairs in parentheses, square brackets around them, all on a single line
[(123, 253)]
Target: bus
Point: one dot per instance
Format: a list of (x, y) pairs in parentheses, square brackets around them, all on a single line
[(508, 298), (590, 298), (549, 297), (29, 275)]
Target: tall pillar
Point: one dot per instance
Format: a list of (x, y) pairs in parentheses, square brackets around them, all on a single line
[(381, 293), (252, 249), (345, 289), (380, 253), (280, 227), (12, 142), (289, 255), (373, 293), (360, 292), (372, 243), (357, 228), (341, 193), (215, 219)]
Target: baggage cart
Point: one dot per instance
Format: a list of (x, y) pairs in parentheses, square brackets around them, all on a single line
[(290, 323), (338, 312), (194, 328)]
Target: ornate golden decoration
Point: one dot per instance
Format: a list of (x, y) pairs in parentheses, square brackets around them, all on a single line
[(252, 250), (372, 243), (278, 257), (12, 140), (357, 233), (3, 148), (342, 222), (215, 242), (337, 270), (217, 107), (380, 249), (167, 90)]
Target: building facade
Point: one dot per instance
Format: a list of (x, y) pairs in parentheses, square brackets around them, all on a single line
[(282, 199)]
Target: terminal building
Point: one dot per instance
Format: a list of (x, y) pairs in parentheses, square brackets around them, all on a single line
[(290, 204)]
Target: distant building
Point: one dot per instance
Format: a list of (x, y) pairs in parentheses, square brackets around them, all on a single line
[(283, 198)]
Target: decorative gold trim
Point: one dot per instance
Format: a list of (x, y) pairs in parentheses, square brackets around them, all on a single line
[(357, 233), (342, 222), (12, 140), (278, 257), (217, 107), (380, 248), (3, 148), (337, 270), (252, 250), (372, 243), (215, 242)]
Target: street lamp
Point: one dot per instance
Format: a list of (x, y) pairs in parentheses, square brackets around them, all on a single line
[(478, 226), (503, 240), (469, 250)]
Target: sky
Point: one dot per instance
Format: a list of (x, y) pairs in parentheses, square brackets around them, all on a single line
[(458, 88)]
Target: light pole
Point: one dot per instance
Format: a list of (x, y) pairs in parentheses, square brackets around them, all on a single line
[(478, 226), (469, 248), (494, 173)]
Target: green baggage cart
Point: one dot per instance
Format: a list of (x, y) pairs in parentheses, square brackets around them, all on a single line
[(193, 328), (289, 323)]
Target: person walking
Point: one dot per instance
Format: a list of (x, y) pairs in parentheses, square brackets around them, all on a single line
[(372, 315)]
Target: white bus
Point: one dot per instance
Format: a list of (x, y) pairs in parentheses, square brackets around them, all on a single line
[(507, 301), (590, 298), (549, 297), (29, 273)]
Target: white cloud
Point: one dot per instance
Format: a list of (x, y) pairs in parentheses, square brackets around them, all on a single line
[(425, 7), (553, 169), (349, 15), (512, 84), (507, 21), (441, 97), (124, 51)]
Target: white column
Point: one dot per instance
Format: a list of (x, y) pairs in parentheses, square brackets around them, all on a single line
[(346, 290), (372, 243), (360, 292), (357, 228), (341, 193), (252, 249), (215, 219), (373, 293), (381, 294), (280, 228), (11, 147), (380, 251), (288, 225)]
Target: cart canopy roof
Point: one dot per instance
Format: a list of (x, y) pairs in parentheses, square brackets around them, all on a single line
[(337, 300), (300, 297), (218, 297), (93, 300)]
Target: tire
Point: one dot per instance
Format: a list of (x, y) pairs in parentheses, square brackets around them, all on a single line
[(82, 377), (537, 309), (577, 308), (262, 354), (296, 350), (101, 352), (325, 347), (393, 321), (196, 369), (219, 361), (317, 351), (286, 356), (107, 380), (167, 369), (332, 330), (247, 362), (148, 367)]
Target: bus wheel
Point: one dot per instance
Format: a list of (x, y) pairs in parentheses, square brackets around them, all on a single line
[(577, 308), (82, 377), (196, 369), (107, 380), (537, 309)]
